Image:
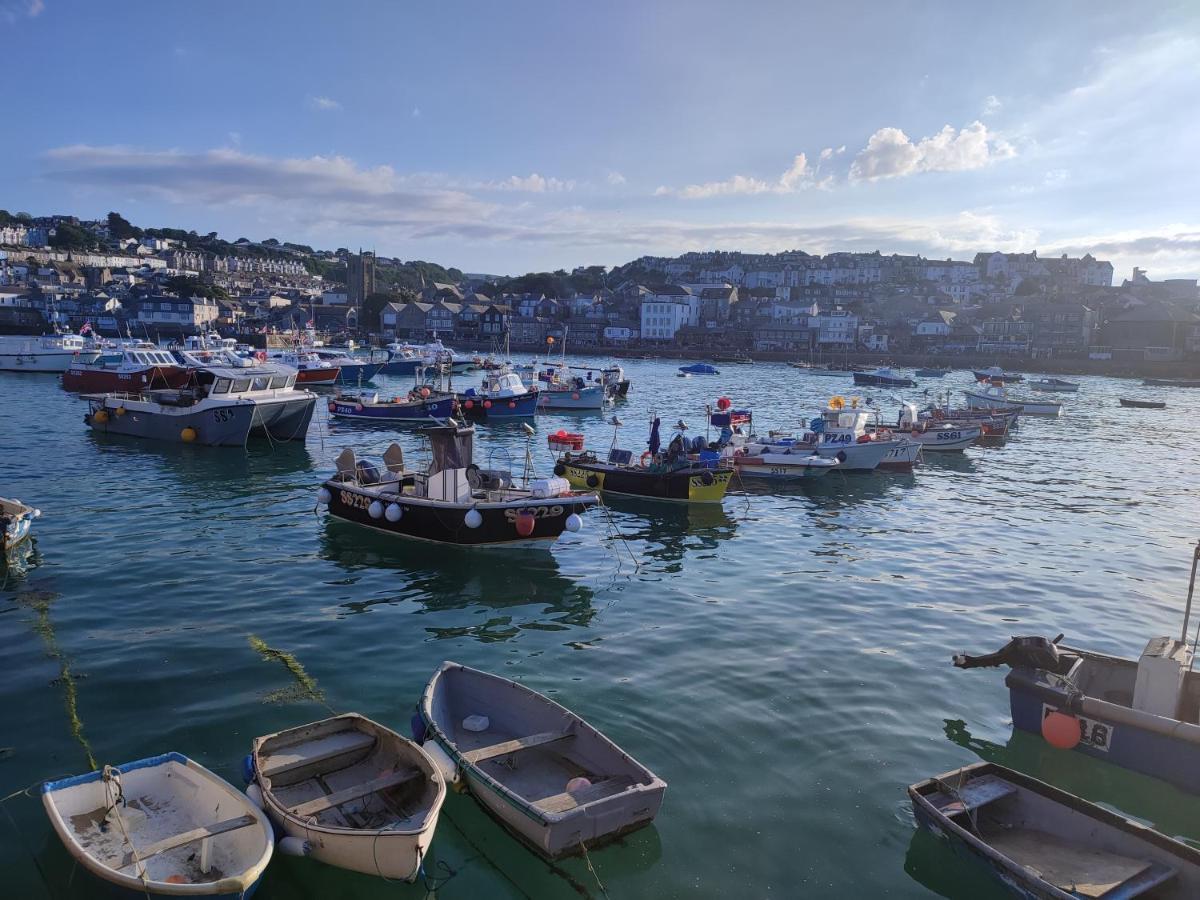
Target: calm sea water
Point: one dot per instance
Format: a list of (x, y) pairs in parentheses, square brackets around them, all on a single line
[(782, 661)]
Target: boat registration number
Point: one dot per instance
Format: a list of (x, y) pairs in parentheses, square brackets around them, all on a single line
[(538, 512), (949, 435), (1097, 735), (222, 415), (349, 498)]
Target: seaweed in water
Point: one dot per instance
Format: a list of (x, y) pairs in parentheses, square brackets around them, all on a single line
[(305, 687)]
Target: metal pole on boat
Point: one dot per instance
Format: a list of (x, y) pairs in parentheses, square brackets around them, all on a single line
[(1187, 612)]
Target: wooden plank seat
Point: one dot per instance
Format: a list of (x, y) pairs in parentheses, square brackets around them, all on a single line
[(356, 792), (180, 840), (1095, 874), (978, 792), (506, 747), (568, 800), (295, 756)]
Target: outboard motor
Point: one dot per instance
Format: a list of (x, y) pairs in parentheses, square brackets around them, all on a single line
[(1019, 653)]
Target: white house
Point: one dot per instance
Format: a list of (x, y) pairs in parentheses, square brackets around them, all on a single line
[(667, 310), (836, 328), (335, 298), (192, 312)]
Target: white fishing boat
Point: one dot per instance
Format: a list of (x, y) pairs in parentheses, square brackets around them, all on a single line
[(934, 436), (1054, 384), (841, 433), (162, 827), (350, 793), (995, 396), (44, 353), (544, 773), (787, 464), (16, 522)]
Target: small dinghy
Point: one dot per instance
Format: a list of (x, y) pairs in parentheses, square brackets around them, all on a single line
[(16, 522), (351, 793), (1054, 384), (1142, 404), (549, 777), (1041, 842), (163, 826)]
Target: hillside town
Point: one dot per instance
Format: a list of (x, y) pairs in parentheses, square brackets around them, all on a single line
[(114, 278)]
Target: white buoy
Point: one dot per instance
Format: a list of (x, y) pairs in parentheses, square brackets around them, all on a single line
[(393, 512), (255, 794), (375, 510), (294, 846), (323, 496), (473, 518), (574, 522)]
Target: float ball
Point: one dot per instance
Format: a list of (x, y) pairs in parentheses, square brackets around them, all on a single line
[(574, 522), (470, 404), (473, 518), (525, 523), (393, 512), (188, 435), (487, 404), (323, 496), (101, 416), (375, 510), (424, 393), (1061, 730)]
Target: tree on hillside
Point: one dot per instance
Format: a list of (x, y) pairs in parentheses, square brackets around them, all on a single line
[(72, 237), (189, 286), (374, 303), (119, 228)]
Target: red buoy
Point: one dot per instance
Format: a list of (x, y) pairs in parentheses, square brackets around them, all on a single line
[(512, 404), (724, 403), (525, 522), (575, 396), (470, 404), (1061, 730), (424, 393), (332, 407), (487, 404)]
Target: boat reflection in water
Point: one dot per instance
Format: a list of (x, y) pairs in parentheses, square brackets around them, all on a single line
[(668, 531), (454, 583)]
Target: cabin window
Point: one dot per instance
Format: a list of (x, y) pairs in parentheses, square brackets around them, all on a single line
[(291, 380), (241, 385), (141, 357), (221, 386), (261, 382), (278, 382)]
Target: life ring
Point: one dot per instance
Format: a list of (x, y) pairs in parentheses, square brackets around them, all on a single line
[(645, 458), (706, 478)]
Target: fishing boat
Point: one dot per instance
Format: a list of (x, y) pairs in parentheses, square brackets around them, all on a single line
[(311, 369), (882, 378), (933, 435), (350, 793), (452, 500), (733, 359), (351, 369), (699, 369), (614, 381), (1142, 404), (139, 366), (995, 397), (44, 353), (841, 433), (1042, 842), (418, 407), (16, 523), (1054, 384), (560, 390), (223, 406), (1142, 714), (162, 827), (502, 395), (759, 461), (1170, 382), (995, 372), (545, 774), (932, 373), (667, 475)]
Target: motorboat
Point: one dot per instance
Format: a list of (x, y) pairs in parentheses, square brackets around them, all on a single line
[(614, 381), (995, 397), (408, 359), (501, 395), (161, 827), (995, 372), (1054, 384), (1142, 404), (546, 775), (1042, 842), (933, 435), (558, 389), (699, 369), (452, 500), (140, 366), (841, 433), (16, 523), (403, 359), (227, 402), (352, 370), (758, 460), (44, 353), (350, 793), (882, 378), (1170, 382), (419, 406), (310, 368)]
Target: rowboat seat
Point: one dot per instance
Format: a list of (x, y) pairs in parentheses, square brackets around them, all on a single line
[(356, 792), (569, 800), (506, 747), (953, 800), (1094, 874), (306, 753), (176, 841)]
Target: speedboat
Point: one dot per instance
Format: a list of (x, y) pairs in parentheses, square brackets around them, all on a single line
[(350, 793), (44, 353), (614, 381), (993, 372), (699, 369), (161, 827), (452, 500), (16, 522), (140, 366), (310, 368), (1054, 384), (882, 378), (544, 773), (995, 397)]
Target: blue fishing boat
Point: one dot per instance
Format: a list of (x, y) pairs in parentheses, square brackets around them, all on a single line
[(351, 369), (699, 369), (1141, 714), (418, 407), (501, 396), (162, 827)]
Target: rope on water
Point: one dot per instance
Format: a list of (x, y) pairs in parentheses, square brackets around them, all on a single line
[(613, 529), (307, 687), (587, 859), (39, 602)]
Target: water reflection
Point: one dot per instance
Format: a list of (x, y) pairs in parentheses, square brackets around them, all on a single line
[(671, 530), (447, 581), (16, 562)]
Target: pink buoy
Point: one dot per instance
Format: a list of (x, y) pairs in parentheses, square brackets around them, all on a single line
[(512, 404), (524, 524), (470, 404), (487, 404), (575, 396), (578, 783)]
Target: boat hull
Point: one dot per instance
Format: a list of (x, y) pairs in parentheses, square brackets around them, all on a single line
[(1142, 404), (1029, 408), (691, 485), (586, 398), (225, 426), (867, 380), (89, 379), (444, 523), (779, 467), (317, 376), (421, 412), (358, 373), (483, 408), (46, 361)]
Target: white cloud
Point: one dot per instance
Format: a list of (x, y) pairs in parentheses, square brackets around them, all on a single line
[(616, 179), (796, 177), (416, 113), (991, 105), (324, 104), (534, 184), (235, 138), (891, 154), (12, 11)]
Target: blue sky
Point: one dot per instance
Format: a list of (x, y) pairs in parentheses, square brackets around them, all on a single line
[(518, 136)]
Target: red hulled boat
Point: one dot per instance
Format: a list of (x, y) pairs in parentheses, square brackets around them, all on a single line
[(142, 366)]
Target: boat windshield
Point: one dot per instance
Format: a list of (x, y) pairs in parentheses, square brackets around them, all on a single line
[(261, 382), (279, 381), (221, 386), (241, 385)]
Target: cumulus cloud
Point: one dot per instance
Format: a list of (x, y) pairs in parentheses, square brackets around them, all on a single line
[(796, 177), (891, 154), (324, 104), (991, 104)]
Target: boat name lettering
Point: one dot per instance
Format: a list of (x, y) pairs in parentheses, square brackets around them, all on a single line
[(1097, 735), (949, 435), (538, 512), (837, 438), (222, 415), (349, 498)]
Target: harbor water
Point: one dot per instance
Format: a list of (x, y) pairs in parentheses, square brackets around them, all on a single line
[(781, 660)]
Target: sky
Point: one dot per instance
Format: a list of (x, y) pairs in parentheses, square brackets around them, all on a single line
[(526, 136)]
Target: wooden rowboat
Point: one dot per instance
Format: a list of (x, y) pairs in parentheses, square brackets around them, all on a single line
[(544, 773), (350, 793), (1142, 404), (163, 826), (1044, 843)]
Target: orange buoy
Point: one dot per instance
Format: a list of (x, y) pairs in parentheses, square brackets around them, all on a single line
[(1061, 730), (188, 434)]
